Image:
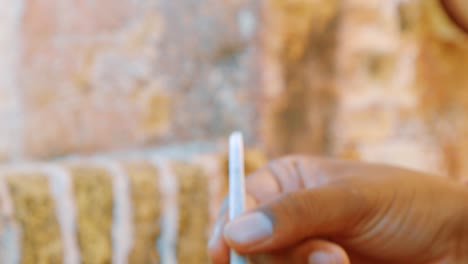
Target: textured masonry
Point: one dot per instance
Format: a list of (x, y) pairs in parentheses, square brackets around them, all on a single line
[(401, 94), (97, 210), (381, 81), (372, 80)]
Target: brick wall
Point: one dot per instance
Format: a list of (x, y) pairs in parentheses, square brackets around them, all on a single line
[(95, 76), (142, 208), (401, 87), (104, 211), (155, 82), (372, 80)]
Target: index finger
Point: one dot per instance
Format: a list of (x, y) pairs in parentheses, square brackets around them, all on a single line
[(287, 175), (280, 176), (217, 246)]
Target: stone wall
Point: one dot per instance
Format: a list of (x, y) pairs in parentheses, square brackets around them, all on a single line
[(401, 86), (297, 48), (105, 211), (155, 82), (144, 208), (95, 76), (372, 80)]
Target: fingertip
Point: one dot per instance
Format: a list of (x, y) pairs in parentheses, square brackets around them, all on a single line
[(320, 252), (218, 250), (217, 258), (249, 233), (330, 256), (321, 257)]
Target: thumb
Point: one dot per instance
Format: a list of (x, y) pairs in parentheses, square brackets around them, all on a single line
[(294, 217)]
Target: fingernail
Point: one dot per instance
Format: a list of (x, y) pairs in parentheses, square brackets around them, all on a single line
[(321, 258), (249, 228)]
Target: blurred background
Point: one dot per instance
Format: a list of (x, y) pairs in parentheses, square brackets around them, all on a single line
[(380, 81), (370, 80)]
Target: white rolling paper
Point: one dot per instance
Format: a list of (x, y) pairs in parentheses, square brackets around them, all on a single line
[(236, 185)]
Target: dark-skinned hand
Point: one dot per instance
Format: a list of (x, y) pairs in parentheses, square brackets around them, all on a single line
[(307, 210)]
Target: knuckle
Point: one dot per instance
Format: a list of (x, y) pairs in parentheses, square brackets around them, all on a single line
[(290, 204), (289, 159)]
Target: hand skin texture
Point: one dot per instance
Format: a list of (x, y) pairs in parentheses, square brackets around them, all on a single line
[(308, 210), (457, 10)]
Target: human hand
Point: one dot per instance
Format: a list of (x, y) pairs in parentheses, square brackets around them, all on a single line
[(457, 10), (306, 210)]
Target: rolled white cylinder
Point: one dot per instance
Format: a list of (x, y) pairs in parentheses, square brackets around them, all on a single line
[(236, 185)]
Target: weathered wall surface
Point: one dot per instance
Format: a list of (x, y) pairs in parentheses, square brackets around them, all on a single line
[(371, 80), (297, 47), (139, 209), (89, 76), (380, 81), (401, 86)]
